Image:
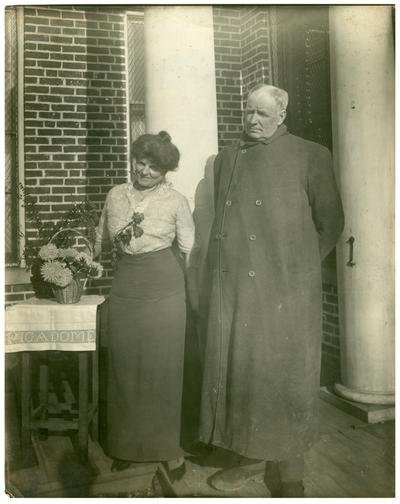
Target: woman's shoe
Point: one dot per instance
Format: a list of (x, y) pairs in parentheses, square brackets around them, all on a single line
[(175, 474), (120, 465), (161, 487)]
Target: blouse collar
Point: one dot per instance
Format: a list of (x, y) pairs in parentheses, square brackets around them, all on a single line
[(162, 186)]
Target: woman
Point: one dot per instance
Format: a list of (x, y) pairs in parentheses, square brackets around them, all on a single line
[(147, 311)]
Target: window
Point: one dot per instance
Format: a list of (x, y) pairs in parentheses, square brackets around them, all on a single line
[(13, 151), (136, 73)]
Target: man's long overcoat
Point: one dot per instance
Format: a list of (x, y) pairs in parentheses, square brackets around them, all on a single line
[(277, 214)]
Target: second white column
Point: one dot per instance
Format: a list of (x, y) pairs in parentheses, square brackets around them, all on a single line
[(180, 86)]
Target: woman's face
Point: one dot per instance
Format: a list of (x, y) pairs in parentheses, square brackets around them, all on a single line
[(146, 173)]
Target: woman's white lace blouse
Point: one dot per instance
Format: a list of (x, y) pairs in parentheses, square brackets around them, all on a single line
[(166, 215)]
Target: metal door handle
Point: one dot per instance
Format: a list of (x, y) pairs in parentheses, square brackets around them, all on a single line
[(351, 241)]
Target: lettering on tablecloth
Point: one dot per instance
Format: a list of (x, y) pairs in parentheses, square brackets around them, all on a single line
[(54, 336)]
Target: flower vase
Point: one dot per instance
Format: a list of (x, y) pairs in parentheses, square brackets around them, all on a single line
[(71, 293)]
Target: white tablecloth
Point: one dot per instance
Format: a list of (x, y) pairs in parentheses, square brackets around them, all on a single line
[(44, 324)]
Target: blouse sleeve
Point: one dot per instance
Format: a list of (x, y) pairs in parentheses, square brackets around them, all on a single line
[(184, 227), (102, 235)]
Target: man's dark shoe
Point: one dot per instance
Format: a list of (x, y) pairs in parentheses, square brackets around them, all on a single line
[(272, 479), (279, 488), (292, 489)]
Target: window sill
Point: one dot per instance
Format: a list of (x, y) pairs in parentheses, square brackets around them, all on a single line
[(17, 275)]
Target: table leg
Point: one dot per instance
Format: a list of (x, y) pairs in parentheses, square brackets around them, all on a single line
[(25, 403), (83, 404), (95, 381), (44, 393), (95, 395)]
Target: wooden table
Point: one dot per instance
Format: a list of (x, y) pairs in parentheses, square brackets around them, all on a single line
[(43, 325)]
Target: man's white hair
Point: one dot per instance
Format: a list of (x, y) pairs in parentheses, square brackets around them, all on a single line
[(280, 96)]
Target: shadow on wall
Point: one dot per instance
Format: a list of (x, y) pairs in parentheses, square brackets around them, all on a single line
[(203, 215)]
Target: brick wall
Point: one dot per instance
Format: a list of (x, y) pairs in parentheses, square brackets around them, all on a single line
[(256, 62), (75, 108), (18, 292), (330, 369), (242, 59), (228, 66)]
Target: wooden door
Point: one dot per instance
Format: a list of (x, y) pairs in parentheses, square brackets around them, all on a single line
[(304, 71)]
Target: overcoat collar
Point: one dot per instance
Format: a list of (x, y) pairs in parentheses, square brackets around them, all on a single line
[(246, 141)]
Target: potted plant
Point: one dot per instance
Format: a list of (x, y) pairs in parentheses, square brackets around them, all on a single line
[(67, 269), (82, 215)]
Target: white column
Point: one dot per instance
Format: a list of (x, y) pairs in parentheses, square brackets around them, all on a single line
[(180, 86), (362, 70)]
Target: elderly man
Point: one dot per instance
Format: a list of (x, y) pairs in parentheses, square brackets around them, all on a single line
[(277, 215)]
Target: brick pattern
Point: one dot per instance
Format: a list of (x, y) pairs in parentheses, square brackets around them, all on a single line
[(17, 293), (75, 107), (227, 49), (255, 39), (21, 292), (242, 59), (330, 319), (330, 335)]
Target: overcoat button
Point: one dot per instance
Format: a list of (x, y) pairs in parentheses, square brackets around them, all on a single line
[(218, 236), (258, 202), (252, 273), (252, 237), (244, 151), (228, 202)]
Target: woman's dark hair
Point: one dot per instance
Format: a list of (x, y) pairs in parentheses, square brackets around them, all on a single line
[(158, 149)]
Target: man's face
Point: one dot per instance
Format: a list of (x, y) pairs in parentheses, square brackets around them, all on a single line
[(262, 115)]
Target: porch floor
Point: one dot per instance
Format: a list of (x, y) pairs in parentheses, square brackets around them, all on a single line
[(352, 459)]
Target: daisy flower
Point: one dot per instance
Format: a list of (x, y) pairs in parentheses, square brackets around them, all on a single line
[(48, 252), (82, 256), (56, 273), (68, 253)]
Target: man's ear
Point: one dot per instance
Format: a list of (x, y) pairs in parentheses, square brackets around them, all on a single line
[(282, 117)]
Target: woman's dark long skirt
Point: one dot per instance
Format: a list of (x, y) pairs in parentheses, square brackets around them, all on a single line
[(146, 337)]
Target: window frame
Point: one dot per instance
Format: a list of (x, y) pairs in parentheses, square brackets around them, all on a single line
[(18, 260), (138, 14)]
